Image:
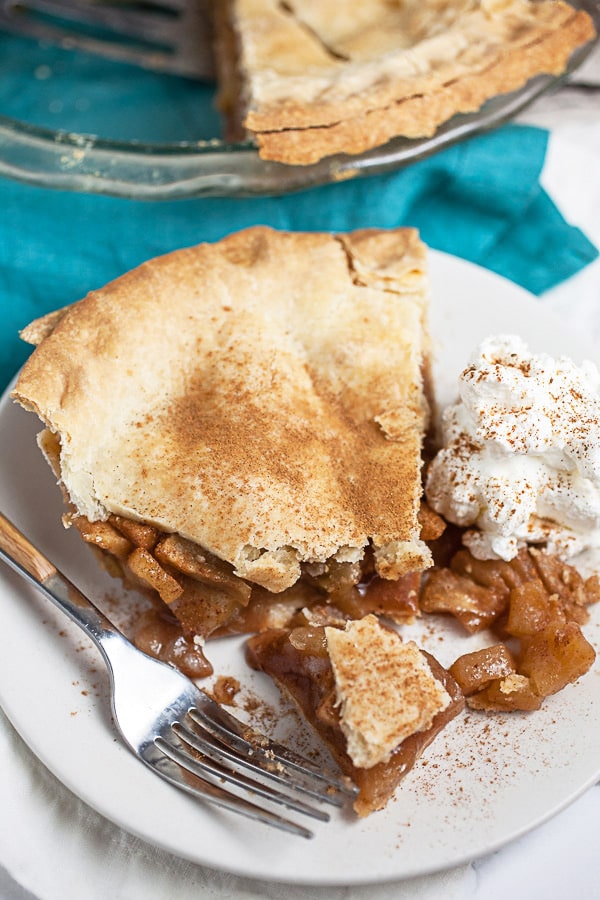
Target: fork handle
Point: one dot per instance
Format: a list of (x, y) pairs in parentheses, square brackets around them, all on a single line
[(30, 563), (23, 552)]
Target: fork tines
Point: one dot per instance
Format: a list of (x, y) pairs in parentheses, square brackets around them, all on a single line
[(272, 759), (210, 748), (165, 35)]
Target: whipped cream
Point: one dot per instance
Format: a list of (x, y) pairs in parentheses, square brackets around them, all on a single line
[(521, 453)]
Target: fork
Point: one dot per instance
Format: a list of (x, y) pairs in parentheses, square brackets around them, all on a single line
[(174, 727), (164, 35)]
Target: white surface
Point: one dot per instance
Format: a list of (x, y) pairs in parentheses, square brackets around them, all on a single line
[(56, 847)]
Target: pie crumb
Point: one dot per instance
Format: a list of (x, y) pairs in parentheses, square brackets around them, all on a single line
[(384, 688)]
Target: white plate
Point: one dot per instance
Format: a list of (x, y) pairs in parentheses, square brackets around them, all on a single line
[(484, 781)]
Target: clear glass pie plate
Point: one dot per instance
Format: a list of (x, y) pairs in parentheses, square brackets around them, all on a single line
[(163, 143)]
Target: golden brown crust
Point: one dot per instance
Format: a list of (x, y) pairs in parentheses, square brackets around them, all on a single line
[(309, 95), (261, 397), (36, 331), (385, 691), (420, 116)]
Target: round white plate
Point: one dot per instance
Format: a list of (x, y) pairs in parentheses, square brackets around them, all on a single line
[(485, 780)]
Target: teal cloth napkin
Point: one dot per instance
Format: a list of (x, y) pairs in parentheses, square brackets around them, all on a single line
[(480, 200)]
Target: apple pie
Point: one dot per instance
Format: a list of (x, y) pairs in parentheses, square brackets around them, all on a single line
[(239, 425), (375, 700), (310, 78)]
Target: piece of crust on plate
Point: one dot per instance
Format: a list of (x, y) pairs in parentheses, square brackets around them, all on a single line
[(376, 701), (244, 415), (311, 78)]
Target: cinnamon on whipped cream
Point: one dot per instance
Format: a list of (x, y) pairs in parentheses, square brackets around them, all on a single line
[(521, 453)]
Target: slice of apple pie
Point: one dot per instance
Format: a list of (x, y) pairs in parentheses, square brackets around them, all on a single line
[(375, 700), (311, 78), (239, 425)]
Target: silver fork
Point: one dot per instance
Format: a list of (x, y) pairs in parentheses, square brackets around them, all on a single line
[(175, 728), (164, 35)]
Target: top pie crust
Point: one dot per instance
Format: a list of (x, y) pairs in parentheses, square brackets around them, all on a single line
[(325, 77), (262, 397)]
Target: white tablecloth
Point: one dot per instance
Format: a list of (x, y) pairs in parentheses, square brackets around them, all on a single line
[(53, 846)]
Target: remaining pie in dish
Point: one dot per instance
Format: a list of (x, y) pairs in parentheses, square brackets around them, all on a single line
[(376, 701), (311, 78), (240, 424)]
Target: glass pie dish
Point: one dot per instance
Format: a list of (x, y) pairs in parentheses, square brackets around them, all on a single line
[(47, 140)]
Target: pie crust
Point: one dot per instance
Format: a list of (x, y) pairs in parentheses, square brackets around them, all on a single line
[(262, 399), (311, 78)]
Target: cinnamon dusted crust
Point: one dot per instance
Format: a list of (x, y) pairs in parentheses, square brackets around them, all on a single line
[(261, 397), (384, 689), (316, 78)]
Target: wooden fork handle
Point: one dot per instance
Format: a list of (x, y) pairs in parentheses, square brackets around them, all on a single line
[(21, 555), (23, 552)]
